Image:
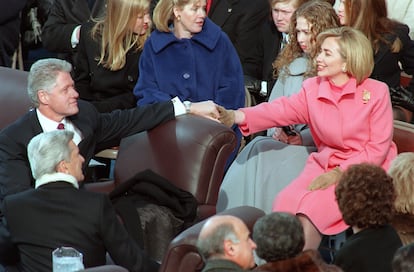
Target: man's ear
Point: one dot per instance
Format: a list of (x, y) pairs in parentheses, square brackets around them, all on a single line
[(229, 248), (43, 97), (61, 167)]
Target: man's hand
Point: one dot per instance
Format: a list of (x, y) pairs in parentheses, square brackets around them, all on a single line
[(402, 97), (226, 116), (325, 180), (206, 109)]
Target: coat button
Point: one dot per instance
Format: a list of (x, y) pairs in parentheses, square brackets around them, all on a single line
[(130, 78), (186, 76)]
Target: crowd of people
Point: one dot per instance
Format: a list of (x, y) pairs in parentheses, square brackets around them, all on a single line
[(325, 80)]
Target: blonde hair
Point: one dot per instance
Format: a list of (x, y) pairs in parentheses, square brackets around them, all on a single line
[(402, 172), (355, 49), (115, 30), (320, 16), (164, 14)]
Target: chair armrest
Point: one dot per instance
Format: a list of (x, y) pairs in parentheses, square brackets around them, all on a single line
[(100, 187), (403, 136)]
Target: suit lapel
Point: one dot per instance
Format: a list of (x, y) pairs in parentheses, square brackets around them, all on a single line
[(221, 10)]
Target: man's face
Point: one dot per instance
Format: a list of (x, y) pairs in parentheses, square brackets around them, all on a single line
[(243, 254), (61, 101), (74, 166), (281, 14)]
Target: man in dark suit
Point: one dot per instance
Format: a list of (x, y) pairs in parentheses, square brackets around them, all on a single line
[(60, 34), (57, 213), (9, 29), (242, 20), (51, 89)]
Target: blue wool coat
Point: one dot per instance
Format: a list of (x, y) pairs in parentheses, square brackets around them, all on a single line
[(205, 67)]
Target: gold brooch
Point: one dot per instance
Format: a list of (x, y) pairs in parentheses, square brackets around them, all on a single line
[(366, 96)]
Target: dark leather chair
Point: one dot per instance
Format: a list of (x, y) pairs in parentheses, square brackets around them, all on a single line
[(182, 254), (14, 101), (403, 136), (189, 151)]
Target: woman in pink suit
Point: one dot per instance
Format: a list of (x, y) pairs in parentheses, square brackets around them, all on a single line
[(350, 118)]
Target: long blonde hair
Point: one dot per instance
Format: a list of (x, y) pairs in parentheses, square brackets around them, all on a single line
[(115, 32)]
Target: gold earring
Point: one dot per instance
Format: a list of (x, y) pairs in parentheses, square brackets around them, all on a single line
[(344, 69)]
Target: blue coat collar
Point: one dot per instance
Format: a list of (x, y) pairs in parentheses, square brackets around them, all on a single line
[(208, 37)]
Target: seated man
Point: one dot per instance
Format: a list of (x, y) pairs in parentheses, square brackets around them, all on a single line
[(225, 243), (51, 89), (57, 214)]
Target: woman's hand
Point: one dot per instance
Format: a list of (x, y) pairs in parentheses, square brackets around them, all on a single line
[(206, 109), (293, 137)]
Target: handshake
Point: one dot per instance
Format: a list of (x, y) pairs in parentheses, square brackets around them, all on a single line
[(211, 110)]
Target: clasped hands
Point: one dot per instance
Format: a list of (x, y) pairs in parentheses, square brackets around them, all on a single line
[(214, 112)]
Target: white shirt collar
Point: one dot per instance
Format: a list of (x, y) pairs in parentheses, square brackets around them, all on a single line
[(46, 123), (49, 178), (50, 125)]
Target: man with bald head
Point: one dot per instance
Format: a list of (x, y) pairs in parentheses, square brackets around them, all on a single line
[(225, 244)]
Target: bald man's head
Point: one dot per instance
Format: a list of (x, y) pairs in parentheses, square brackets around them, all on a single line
[(227, 237)]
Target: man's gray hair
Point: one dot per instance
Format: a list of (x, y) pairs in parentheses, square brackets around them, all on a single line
[(47, 149), (42, 76), (212, 244)]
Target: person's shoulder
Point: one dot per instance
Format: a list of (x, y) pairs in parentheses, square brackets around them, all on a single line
[(16, 198), (371, 84), (312, 81), (21, 125)]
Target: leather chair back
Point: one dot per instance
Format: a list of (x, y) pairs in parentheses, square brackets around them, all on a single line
[(403, 136), (189, 151), (14, 101)]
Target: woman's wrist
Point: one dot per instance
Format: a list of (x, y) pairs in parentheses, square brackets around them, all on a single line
[(239, 117)]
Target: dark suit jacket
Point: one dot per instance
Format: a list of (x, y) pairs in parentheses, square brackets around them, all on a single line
[(57, 214), (99, 131), (269, 48), (386, 67), (107, 90), (64, 16), (9, 28), (369, 250), (242, 20)]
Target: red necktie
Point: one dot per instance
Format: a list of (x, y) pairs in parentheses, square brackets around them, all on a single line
[(208, 5), (61, 126)]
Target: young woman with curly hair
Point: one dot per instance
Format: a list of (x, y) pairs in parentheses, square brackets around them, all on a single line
[(365, 195)]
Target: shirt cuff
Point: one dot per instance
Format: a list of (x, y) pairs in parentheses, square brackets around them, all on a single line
[(179, 108), (74, 38)]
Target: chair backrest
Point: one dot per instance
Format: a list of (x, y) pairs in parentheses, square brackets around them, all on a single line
[(14, 101), (182, 254), (403, 136), (189, 151)]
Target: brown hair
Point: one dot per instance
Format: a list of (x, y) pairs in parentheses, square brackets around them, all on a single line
[(365, 196), (371, 18)]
